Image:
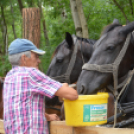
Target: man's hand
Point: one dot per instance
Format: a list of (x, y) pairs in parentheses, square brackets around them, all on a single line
[(67, 92), (65, 84), (52, 117)]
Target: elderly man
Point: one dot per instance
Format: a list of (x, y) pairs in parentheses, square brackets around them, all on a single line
[(25, 88)]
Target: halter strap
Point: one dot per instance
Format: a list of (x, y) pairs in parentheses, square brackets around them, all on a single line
[(66, 77)]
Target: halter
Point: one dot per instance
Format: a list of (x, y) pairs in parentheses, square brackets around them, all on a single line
[(110, 68), (113, 68), (66, 76)]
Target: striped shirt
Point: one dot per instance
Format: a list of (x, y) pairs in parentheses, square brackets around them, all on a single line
[(23, 96)]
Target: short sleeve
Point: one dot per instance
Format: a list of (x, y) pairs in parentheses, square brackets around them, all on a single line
[(43, 84)]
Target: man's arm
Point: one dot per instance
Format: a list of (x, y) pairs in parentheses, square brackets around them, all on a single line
[(67, 92)]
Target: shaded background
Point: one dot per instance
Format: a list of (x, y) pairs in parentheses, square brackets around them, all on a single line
[(56, 19)]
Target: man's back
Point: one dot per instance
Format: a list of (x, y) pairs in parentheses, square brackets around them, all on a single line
[(23, 105)]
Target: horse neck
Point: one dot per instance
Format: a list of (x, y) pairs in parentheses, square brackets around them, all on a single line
[(129, 91), (126, 62)]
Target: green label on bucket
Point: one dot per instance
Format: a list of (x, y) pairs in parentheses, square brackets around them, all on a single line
[(94, 113)]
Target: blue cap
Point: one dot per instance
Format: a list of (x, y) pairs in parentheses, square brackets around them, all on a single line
[(22, 45)]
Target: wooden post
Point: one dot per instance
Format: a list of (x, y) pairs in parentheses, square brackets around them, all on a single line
[(31, 24), (2, 131)]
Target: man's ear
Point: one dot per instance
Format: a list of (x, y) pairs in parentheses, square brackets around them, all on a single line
[(22, 60)]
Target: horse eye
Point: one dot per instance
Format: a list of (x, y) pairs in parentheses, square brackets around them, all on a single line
[(109, 48), (59, 60)]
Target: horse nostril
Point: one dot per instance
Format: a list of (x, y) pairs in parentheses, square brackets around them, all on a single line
[(82, 88)]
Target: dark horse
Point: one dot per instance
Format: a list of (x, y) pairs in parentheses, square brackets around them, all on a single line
[(67, 61), (63, 54), (107, 49)]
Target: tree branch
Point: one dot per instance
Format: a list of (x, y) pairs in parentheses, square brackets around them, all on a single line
[(13, 27), (20, 5), (121, 9)]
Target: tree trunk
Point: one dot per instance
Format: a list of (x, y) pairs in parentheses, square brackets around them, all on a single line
[(20, 5), (44, 25), (76, 18), (131, 6), (31, 3), (4, 31), (13, 26), (31, 24), (82, 19), (45, 33)]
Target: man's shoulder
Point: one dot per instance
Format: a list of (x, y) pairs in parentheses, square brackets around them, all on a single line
[(18, 71), (36, 72)]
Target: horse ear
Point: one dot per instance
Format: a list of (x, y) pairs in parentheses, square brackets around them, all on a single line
[(116, 21), (69, 40), (127, 29)]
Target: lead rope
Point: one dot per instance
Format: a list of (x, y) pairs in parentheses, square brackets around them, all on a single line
[(115, 74), (117, 98)]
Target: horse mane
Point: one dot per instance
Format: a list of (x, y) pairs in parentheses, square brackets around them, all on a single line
[(109, 27), (57, 48), (90, 41)]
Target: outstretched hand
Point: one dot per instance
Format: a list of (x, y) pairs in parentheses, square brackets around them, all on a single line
[(52, 117)]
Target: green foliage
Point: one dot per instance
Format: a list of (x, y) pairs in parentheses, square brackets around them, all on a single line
[(98, 13), (5, 66)]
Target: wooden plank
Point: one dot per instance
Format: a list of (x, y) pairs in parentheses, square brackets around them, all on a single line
[(59, 127), (2, 127), (103, 130)]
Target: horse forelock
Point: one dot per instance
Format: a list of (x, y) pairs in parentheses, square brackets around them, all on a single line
[(109, 27), (56, 50), (105, 31)]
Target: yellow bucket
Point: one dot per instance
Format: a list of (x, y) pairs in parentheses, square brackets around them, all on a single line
[(87, 110)]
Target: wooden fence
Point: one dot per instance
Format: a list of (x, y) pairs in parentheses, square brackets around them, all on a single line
[(59, 127), (2, 131)]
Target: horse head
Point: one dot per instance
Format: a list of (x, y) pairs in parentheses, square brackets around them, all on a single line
[(107, 49), (68, 58), (67, 61)]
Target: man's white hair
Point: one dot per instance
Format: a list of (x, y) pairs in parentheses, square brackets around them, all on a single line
[(15, 59)]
